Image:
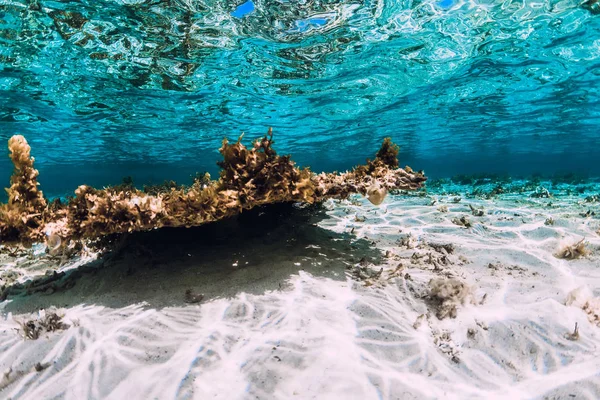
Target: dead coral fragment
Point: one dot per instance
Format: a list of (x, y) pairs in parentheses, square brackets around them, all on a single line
[(573, 251), (446, 295), (47, 322), (477, 212), (419, 321), (462, 221), (541, 193)]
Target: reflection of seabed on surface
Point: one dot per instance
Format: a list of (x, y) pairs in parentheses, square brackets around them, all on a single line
[(446, 79), (320, 333)]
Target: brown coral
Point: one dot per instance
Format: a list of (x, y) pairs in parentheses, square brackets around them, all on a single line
[(249, 177)]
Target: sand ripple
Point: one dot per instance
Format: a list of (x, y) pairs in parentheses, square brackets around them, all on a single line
[(338, 320)]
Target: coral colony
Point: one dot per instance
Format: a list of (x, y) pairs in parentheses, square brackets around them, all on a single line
[(250, 177)]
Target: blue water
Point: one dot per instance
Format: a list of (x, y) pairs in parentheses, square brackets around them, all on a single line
[(103, 89)]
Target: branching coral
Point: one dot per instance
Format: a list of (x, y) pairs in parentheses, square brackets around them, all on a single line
[(249, 177)]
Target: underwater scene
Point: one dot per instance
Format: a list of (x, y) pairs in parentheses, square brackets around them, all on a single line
[(311, 199)]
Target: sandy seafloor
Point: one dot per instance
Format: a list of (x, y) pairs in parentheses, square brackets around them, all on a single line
[(299, 307)]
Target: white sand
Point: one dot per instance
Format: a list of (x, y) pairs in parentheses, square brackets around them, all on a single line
[(284, 318)]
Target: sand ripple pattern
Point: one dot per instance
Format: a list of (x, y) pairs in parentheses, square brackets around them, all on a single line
[(330, 338)]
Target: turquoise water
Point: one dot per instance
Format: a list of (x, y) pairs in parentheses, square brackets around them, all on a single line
[(104, 89)]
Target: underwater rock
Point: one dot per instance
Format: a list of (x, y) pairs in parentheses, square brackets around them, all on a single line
[(250, 177)]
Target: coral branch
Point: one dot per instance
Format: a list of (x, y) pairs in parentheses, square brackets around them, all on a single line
[(249, 177)]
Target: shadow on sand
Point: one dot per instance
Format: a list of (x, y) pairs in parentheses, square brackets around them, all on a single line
[(254, 252)]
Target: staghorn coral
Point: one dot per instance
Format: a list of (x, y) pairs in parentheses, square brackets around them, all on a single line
[(250, 177)]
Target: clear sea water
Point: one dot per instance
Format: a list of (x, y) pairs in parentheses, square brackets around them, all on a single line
[(104, 89)]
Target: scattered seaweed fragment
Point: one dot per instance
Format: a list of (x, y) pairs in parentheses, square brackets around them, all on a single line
[(573, 251), (575, 335), (541, 193), (46, 322), (582, 297), (249, 177), (448, 248), (462, 221), (447, 295), (477, 212), (587, 214)]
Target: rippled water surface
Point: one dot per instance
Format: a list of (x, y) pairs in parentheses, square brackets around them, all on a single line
[(104, 89)]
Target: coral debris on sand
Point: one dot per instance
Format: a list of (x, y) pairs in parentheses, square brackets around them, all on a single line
[(249, 177)]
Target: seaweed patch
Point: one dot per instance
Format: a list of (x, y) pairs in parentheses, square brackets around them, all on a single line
[(250, 177)]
